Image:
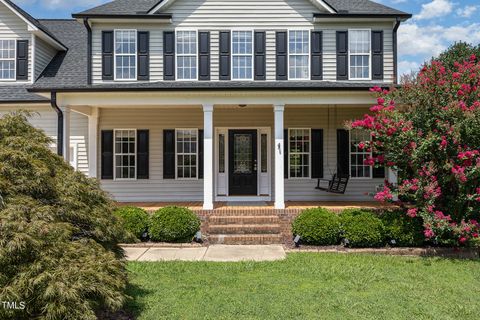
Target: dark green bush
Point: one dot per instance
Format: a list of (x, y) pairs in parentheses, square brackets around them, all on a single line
[(134, 220), (173, 224), (362, 228), (404, 230), (317, 226)]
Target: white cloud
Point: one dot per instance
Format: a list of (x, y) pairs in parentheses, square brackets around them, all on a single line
[(467, 11), (405, 67), (435, 9)]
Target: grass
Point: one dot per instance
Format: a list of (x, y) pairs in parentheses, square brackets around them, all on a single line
[(308, 286)]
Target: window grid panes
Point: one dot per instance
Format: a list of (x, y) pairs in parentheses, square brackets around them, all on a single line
[(7, 59), (242, 55), (221, 151), (359, 48), (186, 153), (125, 54), (299, 54), (186, 55), (125, 154), (264, 153), (358, 169), (299, 153)]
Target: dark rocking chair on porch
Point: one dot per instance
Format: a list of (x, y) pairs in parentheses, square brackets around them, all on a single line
[(338, 184)]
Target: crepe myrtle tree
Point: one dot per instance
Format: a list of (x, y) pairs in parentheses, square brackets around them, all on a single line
[(432, 139)]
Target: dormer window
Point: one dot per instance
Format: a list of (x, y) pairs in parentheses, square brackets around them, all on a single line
[(125, 54), (7, 59), (186, 42), (299, 54), (359, 54), (242, 55)]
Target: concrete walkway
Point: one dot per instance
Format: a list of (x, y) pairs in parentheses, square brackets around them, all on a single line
[(220, 253)]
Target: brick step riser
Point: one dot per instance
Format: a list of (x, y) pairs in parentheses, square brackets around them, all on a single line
[(221, 220), (246, 239), (244, 229)]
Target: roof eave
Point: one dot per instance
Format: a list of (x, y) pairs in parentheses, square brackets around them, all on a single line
[(323, 16), (123, 16)]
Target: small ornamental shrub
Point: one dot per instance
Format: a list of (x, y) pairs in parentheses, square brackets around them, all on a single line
[(318, 227), (134, 220), (173, 224), (402, 230), (362, 228)]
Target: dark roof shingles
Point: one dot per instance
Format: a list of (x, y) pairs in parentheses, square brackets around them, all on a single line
[(19, 93), (122, 7), (362, 7)]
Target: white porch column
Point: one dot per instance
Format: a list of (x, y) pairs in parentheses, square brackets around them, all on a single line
[(92, 142), (392, 178), (66, 133), (208, 157), (279, 157)]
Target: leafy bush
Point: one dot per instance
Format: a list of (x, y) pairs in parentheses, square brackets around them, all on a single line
[(404, 230), (362, 228), (173, 224), (317, 226), (58, 236), (134, 220)]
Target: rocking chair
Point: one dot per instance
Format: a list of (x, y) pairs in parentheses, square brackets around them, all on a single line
[(338, 184)]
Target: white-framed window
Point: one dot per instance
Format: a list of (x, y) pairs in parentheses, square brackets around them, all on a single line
[(125, 155), (359, 51), (186, 51), (125, 54), (299, 153), (358, 168), (242, 55), (186, 153), (299, 54), (8, 52)]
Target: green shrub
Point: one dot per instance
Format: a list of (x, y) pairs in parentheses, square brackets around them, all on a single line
[(404, 230), (362, 228), (317, 226), (173, 224), (134, 220)]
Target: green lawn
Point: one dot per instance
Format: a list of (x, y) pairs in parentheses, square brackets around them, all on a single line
[(308, 286)]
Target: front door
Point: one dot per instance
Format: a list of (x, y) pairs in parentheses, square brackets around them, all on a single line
[(242, 180)]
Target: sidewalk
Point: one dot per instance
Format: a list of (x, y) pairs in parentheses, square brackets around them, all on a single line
[(220, 253)]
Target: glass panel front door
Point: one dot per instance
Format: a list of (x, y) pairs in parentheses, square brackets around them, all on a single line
[(243, 162)]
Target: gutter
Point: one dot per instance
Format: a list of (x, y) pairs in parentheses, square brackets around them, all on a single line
[(59, 123), (89, 50), (341, 14), (395, 51)]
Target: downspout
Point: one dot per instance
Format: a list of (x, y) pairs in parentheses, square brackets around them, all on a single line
[(59, 112), (89, 50), (395, 51)]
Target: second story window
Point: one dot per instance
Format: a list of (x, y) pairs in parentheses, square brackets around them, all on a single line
[(125, 54), (359, 51), (299, 54), (186, 42), (242, 55), (7, 59)]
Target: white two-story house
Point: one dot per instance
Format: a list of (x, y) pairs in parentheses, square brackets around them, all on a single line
[(203, 100)]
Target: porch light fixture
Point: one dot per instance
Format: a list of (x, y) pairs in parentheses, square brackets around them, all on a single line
[(297, 240), (198, 237), (345, 242)]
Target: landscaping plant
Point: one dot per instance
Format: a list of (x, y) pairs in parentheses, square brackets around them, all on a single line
[(317, 226), (173, 224), (402, 230), (362, 228), (59, 252), (134, 220)]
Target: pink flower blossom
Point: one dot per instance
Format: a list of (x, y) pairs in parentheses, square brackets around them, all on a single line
[(384, 195), (412, 213), (429, 233)]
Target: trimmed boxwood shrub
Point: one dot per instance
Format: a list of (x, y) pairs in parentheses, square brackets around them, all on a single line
[(173, 224), (404, 230), (134, 220), (317, 226), (362, 228)]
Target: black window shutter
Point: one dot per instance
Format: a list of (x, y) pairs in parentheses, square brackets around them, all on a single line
[(204, 55), (22, 60), (317, 153), (225, 55), (106, 146), (200, 154), (107, 55), (282, 55), (377, 55), (143, 55), (169, 55), (343, 152), (285, 153), (168, 154), (342, 55), (143, 147), (260, 55), (317, 55)]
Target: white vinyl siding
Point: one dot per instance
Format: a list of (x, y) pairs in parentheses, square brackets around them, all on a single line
[(44, 53)]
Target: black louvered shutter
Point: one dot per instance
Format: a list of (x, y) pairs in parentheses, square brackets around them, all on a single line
[(260, 55), (285, 153), (224, 55), (143, 55), (22, 60), (343, 152), (282, 55), (377, 55), (107, 55), (342, 55), (168, 55), (106, 146), (317, 55), (204, 55), (168, 154), (200, 154), (317, 153), (143, 149)]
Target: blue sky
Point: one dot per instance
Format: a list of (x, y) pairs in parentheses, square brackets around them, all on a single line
[(435, 25)]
